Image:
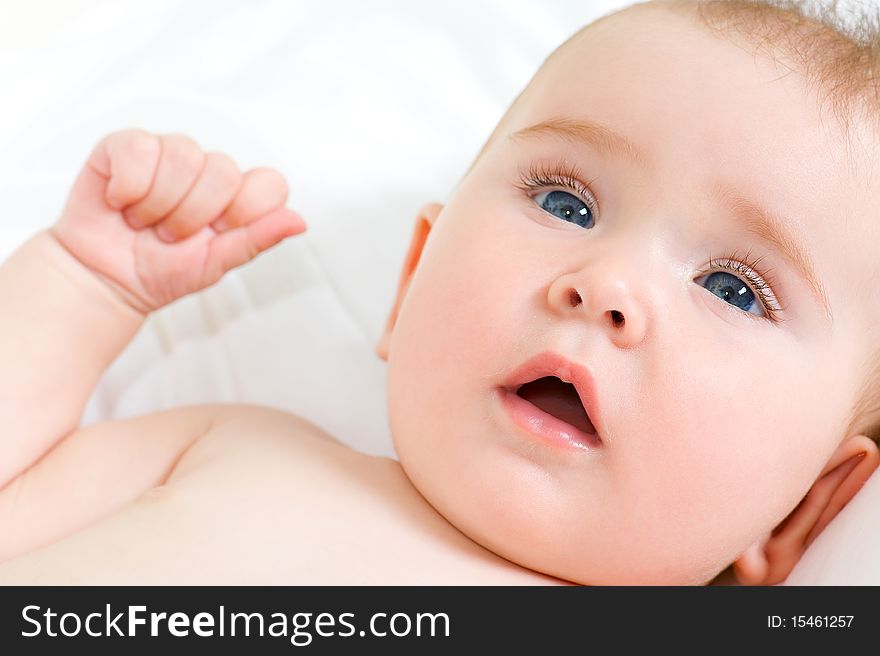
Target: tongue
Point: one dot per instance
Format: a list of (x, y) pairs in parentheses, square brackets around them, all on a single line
[(558, 399)]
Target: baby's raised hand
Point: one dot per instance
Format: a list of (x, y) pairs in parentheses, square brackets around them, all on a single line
[(157, 218)]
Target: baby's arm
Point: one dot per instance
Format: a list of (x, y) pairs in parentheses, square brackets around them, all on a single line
[(61, 328), (149, 219)]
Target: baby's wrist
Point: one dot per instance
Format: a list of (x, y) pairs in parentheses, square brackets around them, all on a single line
[(98, 287)]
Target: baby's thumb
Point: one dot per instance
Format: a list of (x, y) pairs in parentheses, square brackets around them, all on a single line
[(238, 246)]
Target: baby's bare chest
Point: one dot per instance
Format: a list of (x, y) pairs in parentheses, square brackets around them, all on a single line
[(268, 508)]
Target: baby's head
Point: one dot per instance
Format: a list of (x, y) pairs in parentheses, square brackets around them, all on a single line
[(682, 203)]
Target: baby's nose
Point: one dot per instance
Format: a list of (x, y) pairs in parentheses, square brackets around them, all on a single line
[(602, 298)]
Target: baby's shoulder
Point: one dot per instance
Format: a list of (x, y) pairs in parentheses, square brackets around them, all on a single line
[(242, 432), (244, 421), (242, 439)]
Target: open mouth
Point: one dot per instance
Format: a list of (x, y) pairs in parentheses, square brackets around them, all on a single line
[(558, 399)]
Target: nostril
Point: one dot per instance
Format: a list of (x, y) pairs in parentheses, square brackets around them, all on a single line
[(617, 318), (574, 298)]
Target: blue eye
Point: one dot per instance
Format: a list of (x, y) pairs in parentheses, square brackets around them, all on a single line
[(728, 287), (567, 207)]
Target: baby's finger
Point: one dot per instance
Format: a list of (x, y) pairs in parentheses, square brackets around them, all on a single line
[(236, 247), (215, 188), (127, 159), (262, 190), (180, 164)]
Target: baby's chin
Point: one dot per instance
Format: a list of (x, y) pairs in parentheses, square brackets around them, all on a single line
[(577, 562)]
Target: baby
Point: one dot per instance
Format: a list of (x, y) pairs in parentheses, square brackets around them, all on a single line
[(636, 346)]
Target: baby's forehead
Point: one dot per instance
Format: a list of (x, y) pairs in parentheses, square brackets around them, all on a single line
[(835, 51), (835, 70)]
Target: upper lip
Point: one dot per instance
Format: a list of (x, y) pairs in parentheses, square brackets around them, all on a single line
[(550, 363)]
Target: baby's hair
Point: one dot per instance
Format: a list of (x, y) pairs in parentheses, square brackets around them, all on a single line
[(834, 45), (865, 416)]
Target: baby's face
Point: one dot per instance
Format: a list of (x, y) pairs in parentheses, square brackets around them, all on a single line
[(720, 385)]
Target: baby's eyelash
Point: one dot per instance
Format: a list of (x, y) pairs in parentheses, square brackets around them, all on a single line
[(559, 174), (749, 269), (568, 176)]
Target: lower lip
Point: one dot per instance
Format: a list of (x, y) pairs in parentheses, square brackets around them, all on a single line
[(545, 427)]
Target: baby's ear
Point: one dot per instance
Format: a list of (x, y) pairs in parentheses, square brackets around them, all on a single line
[(425, 220), (770, 561)]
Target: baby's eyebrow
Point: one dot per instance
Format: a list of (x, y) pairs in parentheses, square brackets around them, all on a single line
[(774, 231), (579, 131)]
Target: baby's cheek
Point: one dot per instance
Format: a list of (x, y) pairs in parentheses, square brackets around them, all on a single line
[(711, 450), (466, 300), (731, 451)]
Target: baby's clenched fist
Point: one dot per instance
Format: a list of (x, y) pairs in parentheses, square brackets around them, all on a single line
[(156, 217)]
